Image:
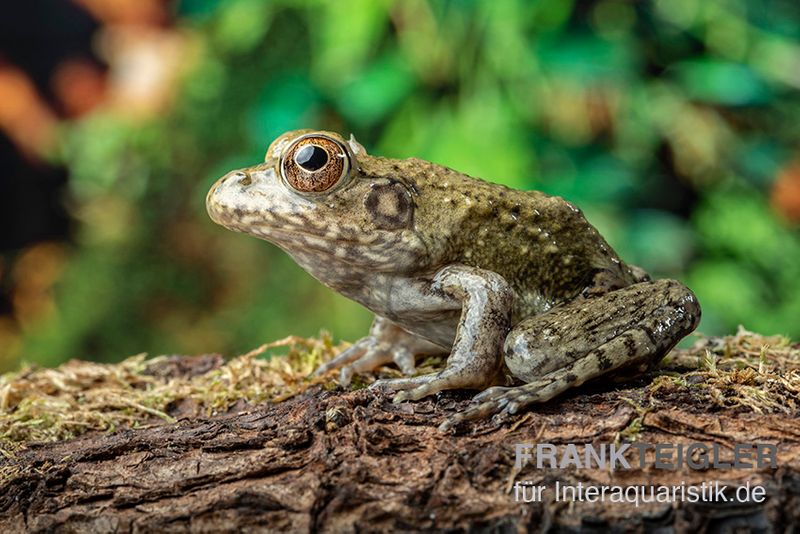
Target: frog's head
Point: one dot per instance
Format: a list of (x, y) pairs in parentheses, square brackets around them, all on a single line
[(311, 198)]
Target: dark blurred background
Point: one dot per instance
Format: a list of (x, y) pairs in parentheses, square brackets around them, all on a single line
[(674, 124)]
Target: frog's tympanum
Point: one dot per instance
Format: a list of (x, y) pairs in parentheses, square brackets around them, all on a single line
[(525, 295)]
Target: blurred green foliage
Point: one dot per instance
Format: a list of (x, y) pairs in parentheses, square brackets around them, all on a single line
[(667, 121)]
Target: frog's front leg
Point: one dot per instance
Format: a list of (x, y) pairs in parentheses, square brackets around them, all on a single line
[(386, 343), (475, 360), (587, 338)]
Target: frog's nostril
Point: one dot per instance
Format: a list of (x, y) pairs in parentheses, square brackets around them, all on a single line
[(244, 179)]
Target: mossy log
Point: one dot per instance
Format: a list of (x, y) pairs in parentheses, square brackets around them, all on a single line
[(335, 460)]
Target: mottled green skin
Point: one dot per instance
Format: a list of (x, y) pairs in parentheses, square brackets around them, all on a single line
[(513, 285)]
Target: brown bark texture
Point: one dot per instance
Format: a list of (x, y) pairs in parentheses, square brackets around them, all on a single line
[(351, 461)]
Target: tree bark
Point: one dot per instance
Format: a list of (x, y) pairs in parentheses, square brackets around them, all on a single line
[(338, 461)]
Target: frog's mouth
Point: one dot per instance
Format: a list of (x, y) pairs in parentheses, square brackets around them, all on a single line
[(256, 205), (382, 250)]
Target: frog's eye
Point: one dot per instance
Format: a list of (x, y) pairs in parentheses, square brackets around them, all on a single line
[(314, 163)]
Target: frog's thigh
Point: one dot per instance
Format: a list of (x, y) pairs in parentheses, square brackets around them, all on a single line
[(585, 339), (475, 359), (635, 324)]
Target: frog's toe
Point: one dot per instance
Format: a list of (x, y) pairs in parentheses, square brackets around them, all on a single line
[(367, 354), (375, 357), (405, 360), (495, 401), (417, 393), (386, 385), (516, 399), (415, 387), (349, 355), (511, 407), (402, 396), (491, 393), (478, 411)]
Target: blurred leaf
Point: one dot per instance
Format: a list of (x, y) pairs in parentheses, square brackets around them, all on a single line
[(242, 25), (721, 82), (741, 225), (600, 178), (729, 293), (377, 92), (682, 13), (551, 14), (345, 36), (760, 159), (287, 103), (586, 58), (198, 9), (659, 242)]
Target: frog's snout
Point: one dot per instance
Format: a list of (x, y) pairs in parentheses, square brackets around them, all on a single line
[(245, 193), (232, 179), (232, 184), (222, 197), (242, 178)]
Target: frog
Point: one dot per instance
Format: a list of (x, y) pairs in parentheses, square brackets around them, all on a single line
[(516, 292)]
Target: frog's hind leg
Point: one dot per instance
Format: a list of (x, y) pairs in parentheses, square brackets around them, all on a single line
[(510, 400), (633, 326)]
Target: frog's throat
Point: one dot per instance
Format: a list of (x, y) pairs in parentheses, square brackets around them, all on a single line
[(382, 250)]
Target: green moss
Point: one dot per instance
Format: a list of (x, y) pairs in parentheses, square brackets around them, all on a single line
[(748, 371), (41, 405)]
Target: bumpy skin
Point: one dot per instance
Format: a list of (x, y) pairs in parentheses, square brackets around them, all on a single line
[(505, 281)]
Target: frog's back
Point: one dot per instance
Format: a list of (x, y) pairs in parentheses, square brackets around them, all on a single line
[(541, 244)]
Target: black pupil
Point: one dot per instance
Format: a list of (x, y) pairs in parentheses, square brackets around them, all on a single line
[(311, 157)]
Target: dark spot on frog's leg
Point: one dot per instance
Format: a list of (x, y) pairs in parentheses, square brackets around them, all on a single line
[(510, 351), (630, 346), (570, 378), (515, 210)]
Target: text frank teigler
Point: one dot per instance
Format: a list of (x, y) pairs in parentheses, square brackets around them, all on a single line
[(653, 457)]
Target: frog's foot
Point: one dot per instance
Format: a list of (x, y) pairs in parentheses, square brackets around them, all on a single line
[(387, 343), (368, 354), (500, 400), (505, 401), (417, 387), (474, 362)]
